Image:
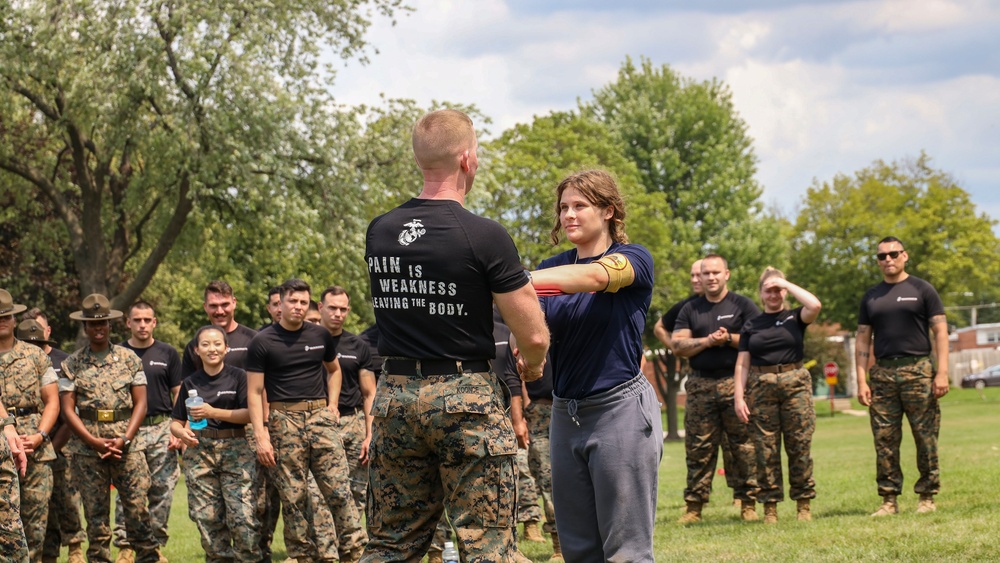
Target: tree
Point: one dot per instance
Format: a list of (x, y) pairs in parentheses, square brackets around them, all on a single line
[(689, 145), (836, 234), (127, 116)]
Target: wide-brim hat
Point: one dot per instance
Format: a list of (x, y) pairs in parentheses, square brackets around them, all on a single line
[(96, 307), (7, 305), (31, 331)]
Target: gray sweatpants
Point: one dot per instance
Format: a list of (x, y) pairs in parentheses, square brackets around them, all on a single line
[(606, 452)]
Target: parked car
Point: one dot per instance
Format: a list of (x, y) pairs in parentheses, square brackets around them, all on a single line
[(989, 377)]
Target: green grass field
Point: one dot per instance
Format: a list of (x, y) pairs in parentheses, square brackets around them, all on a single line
[(965, 527)]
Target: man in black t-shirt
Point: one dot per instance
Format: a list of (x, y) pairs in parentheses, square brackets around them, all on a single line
[(898, 316), (664, 329), (708, 333), (441, 437), (295, 362), (220, 305), (273, 306), (162, 366), (357, 389)]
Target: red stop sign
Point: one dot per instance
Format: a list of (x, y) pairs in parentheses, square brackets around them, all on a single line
[(830, 369)]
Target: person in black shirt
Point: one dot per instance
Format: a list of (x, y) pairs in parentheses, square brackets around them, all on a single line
[(162, 366), (707, 333), (273, 306), (778, 394), (357, 389), (295, 362), (220, 305), (897, 315), (435, 270), (219, 466)]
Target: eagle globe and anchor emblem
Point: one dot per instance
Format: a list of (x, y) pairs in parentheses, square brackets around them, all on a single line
[(416, 228)]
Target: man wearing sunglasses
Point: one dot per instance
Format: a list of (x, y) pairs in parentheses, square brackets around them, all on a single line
[(897, 316)]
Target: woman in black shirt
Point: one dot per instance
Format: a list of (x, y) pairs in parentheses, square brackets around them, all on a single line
[(219, 465), (778, 395)]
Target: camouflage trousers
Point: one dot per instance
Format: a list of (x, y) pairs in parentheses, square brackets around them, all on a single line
[(163, 475), (304, 442), (267, 505), (352, 432), (320, 523), (130, 476), (36, 491), (13, 545), (442, 533), (781, 406), (527, 492), (709, 418), (63, 526), (219, 474), (905, 390), (441, 441), (539, 416)]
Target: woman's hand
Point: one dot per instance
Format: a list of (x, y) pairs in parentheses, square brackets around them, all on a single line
[(742, 410)]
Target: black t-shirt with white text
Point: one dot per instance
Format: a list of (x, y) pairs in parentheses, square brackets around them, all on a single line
[(354, 355), (774, 338), (292, 361), (224, 390), (57, 356), (162, 365), (900, 314), (702, 317), (238, 341), (433, 266)]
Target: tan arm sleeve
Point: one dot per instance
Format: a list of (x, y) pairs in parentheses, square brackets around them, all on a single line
[(620, 272)]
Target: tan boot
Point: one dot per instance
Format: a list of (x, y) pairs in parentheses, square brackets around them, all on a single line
[(888, 507), (556, 548), (737, 504), (532, 533), (76, 553), (692, 514), (126, 555), (770, 513), (748, 512), (804, 512), (162, 558), (434, 556), (519, 557), (926, 504)]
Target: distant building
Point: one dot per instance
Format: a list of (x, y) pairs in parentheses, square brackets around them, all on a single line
[(975, 337)]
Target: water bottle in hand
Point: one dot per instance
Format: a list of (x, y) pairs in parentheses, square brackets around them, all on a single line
[(450, 554), (194, 400)]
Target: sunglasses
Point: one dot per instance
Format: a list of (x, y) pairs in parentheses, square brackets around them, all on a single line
[(891, 254)]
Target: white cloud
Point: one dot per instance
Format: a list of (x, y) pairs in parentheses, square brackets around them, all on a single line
[(824, 87)]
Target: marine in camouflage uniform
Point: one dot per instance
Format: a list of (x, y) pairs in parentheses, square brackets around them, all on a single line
[(29, 392), (105, 385), (527, 491), (895, 321)]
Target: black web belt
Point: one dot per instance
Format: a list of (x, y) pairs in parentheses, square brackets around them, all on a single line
[(412, 367)]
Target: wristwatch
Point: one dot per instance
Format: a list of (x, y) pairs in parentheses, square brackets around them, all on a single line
[(45, 435), (126, 441)]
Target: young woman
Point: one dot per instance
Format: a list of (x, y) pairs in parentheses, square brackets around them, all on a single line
[(778, 393), (606, 433), (219, 465)]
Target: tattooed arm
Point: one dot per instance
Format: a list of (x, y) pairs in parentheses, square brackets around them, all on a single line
[(687, 346)]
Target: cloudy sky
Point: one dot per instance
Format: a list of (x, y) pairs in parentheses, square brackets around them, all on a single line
[(825, 86)]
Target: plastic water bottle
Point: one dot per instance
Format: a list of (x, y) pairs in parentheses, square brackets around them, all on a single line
[(450, 554), (194, 400)]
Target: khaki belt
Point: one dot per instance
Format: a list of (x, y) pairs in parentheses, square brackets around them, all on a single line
[(154, 420), (226, 433), (105, 415), (777, 368), (413, 367), (299, 406), (899, 362)]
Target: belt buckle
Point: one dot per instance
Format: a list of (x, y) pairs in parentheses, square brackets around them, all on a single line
[(105, 415)]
